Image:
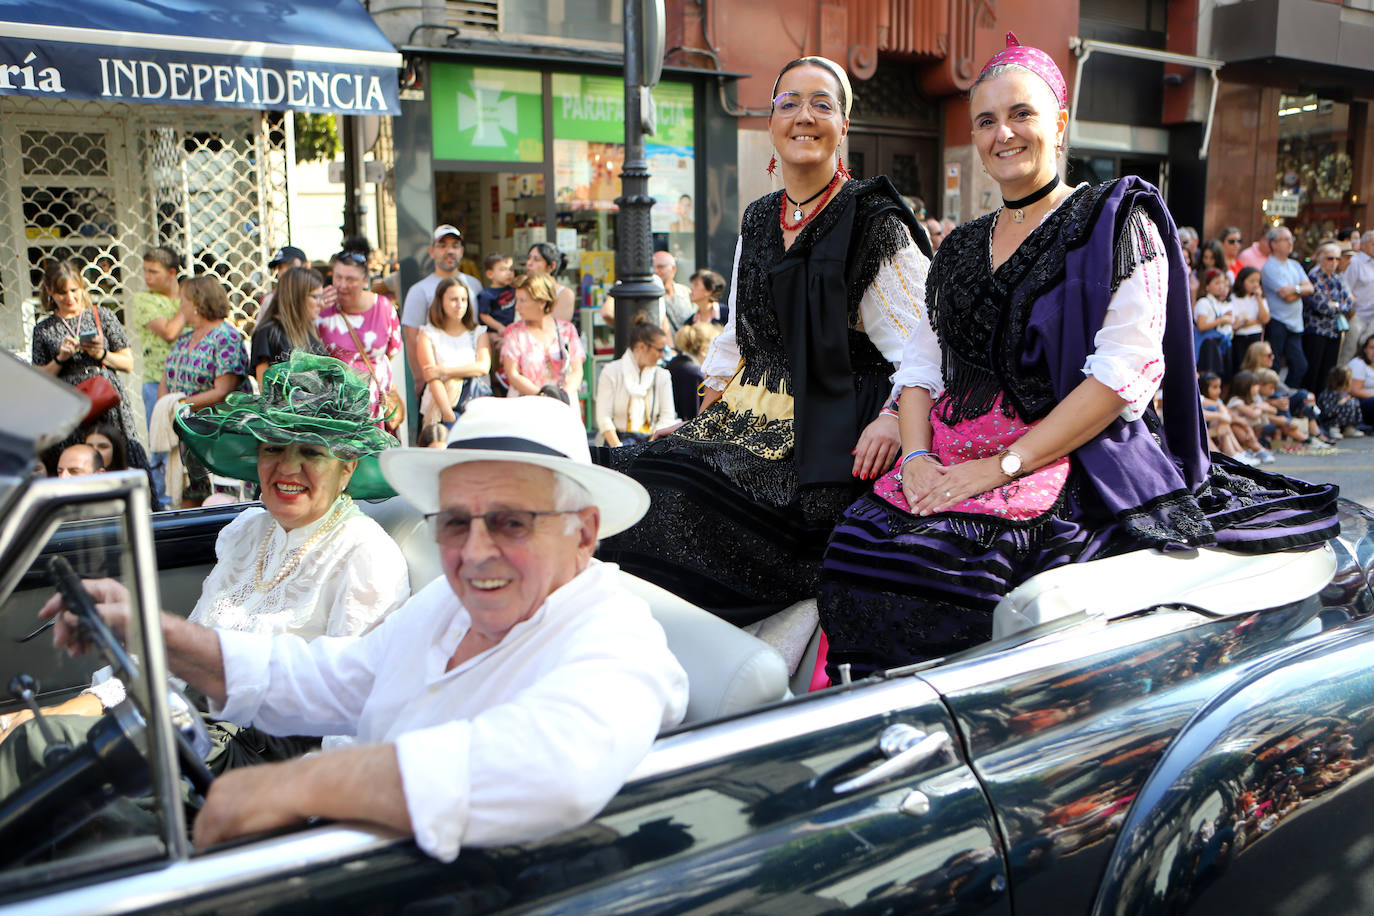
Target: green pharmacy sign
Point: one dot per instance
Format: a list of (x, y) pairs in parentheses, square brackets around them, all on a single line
[(593, 108), (486, 113)]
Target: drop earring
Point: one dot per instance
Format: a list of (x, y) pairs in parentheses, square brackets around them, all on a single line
[(772, 164), (844, 172)]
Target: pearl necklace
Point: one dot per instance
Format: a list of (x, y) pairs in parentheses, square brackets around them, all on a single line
[(293, 560)]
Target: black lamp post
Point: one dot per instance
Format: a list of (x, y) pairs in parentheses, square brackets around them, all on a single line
[(636, 287)]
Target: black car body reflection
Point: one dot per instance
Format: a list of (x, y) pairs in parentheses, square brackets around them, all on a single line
[(1166, 761)]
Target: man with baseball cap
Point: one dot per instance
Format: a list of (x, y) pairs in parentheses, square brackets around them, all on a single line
[(283, 260), (506, 701), (286, 258), (446, 251)]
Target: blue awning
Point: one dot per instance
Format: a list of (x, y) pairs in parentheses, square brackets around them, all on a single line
[(301, 55)]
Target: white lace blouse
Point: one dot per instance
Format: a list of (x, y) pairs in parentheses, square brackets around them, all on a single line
[(352, 577)]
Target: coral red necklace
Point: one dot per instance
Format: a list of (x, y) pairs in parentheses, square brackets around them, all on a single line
[(797, 213)]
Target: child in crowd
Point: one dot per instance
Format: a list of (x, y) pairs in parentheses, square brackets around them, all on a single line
[(1213, 320), (1250, 313), (1304, 418), (1252, 399), (1223, 428), (1249, 407), (496, 303), (1341, 414)]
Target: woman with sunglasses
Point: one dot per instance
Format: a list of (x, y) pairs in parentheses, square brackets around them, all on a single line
[(77, 341), (1230, 246), (1324, 315), (287, 322), (360, 327), (829, 283)]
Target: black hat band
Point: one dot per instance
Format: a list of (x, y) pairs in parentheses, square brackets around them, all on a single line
[(508, 444)]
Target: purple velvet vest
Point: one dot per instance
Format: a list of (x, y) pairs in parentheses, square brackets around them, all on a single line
[(1136, 475)]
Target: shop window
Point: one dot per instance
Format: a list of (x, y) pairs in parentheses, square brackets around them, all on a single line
[(589, 154), (1312, 182)]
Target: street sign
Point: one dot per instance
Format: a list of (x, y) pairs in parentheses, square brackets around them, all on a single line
[(1281, 205)]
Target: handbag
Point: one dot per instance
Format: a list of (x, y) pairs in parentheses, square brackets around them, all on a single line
[(479, 386), (392, 402), (476, 387), (102, 393), (100, 390)]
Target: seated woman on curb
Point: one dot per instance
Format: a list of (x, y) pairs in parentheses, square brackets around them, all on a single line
[(454, 354), (309, 562), (634, 396)]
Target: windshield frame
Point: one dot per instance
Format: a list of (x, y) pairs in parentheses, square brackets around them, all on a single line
[(38, 507)]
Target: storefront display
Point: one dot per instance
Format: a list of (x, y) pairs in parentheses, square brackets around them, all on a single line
[(493, 115), (1314, 168), (527, 156)]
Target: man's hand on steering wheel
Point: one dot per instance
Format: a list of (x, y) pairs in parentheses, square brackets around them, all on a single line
[(111, 601)]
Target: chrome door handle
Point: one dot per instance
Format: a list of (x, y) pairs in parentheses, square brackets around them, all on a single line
[(906, 748)]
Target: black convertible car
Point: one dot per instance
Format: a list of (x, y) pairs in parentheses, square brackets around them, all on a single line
[(1144, 734)]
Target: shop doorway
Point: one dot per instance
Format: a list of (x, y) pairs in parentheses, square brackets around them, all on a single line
[(913, 164)]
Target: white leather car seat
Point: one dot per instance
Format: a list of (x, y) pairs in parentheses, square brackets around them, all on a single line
[(409, 530), (1218, 581), (728, 670)]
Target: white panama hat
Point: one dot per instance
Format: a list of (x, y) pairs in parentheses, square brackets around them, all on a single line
[(531, 430)]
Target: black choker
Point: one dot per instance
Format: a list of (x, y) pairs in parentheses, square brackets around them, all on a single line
[(1018, 207), (798, 213)]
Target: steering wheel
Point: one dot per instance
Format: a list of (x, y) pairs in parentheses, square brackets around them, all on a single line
[(76, 784), (184, 716)]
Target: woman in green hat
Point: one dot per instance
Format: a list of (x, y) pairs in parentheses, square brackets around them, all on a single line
[(309, 562)]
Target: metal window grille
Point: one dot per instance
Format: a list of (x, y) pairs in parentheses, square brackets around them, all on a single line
[(101, 183)]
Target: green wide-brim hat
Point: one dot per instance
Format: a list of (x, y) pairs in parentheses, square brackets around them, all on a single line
[(308, 399)]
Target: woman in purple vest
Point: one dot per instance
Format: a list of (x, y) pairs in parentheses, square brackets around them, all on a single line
[(1029, 439)]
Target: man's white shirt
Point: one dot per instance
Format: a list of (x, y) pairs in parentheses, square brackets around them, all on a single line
[(530, 737)]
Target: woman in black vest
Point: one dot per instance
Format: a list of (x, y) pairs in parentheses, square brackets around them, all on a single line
[(829, 283)]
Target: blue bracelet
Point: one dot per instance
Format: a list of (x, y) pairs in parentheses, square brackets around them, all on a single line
[(917, 453)]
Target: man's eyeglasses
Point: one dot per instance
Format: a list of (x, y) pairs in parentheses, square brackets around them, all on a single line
[(1234, 241), (351, 257), (822, 104), (504, 526)]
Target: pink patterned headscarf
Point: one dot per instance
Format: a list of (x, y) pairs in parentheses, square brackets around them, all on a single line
[(1034, 60)]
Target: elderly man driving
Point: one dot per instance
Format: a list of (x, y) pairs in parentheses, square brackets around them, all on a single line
[(506, 701)]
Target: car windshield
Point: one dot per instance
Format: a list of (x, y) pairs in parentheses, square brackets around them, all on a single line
[(75, 785)]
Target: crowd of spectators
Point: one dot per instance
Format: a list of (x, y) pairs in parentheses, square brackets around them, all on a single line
[(461, 338), (1285, 346)]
